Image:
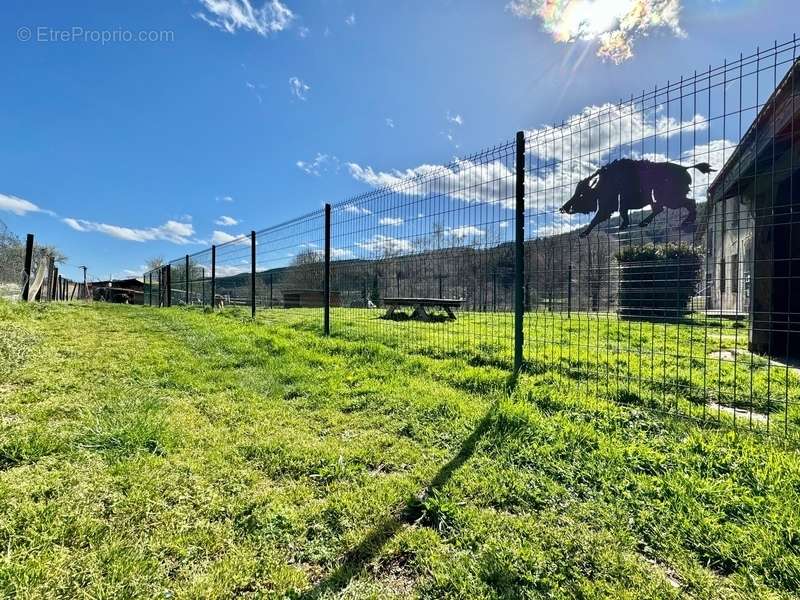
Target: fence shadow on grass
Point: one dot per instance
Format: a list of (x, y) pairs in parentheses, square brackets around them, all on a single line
[(357, 559)]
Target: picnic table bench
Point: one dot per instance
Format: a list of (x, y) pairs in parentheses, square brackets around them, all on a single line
[(420, 304)]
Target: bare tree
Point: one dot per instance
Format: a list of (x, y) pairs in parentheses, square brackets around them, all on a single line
[(154, 263), (306, 270)]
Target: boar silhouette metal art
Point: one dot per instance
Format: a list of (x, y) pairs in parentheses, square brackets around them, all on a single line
[(627, 184)]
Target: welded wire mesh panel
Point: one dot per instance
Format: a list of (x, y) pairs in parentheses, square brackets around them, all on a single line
[(290, 267), (232, 286), (177, 277), (662, 254), (200, 278), (159, 285), (426, 264), (150, 288)]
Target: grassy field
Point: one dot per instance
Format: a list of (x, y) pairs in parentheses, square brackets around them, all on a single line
[(175, 453), (698, 367)]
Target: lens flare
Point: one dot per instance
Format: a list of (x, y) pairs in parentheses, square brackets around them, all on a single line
[(615, 24)]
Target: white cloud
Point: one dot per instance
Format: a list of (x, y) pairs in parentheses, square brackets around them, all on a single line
[(299, 88), (356, 210), (382, 179), (303, 32), (19, 206), (318, 165), (597, 135), (597, 130), (226, 221), (455, 119), (226, 199), (559, 157), (341, 253), (394, 221), (232, 15), (464, 180), (464, 231), (350, 20), (390, 123), (716, 153), (615, 24), (252, 86), (555, 224), (171, 231), (386, 245), (222, 237), (75, 224)]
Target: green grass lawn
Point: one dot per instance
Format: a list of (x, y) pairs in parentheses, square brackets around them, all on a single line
[(177, 453)]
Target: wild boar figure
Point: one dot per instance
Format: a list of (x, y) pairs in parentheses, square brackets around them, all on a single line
[(628, 184)]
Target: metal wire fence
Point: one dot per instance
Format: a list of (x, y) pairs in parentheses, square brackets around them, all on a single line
[(646, 250)]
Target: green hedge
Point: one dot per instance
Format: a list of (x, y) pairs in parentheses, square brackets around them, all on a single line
[(651, 252), (657, 281)]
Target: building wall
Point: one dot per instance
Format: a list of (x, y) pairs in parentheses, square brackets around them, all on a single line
[(729, 255)]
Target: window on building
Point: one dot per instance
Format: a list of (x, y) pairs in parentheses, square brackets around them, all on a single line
[(735, 273), (722, 276), (711, 242)]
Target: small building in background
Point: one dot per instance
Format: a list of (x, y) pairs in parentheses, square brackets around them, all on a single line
[(118, 291), (753, 231)]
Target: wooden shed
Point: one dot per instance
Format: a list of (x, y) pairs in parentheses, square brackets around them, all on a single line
[(308, 299)]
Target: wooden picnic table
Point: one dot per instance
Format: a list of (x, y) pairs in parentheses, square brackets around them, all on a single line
[(421, 304)]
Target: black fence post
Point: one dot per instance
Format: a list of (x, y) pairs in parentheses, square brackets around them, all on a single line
[(253, 274), (56, 281), (150, 292), (186, 279), (213, 276), (28, 259), (519, 252), (51, 264), (327, 277), (169, 285)]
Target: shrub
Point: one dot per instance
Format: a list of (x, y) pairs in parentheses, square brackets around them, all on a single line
[(651, 252), (657, 281)]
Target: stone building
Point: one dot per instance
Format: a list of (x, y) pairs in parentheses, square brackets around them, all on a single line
[(753, 235)]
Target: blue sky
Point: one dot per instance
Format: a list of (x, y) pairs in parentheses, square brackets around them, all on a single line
[(120, 151)]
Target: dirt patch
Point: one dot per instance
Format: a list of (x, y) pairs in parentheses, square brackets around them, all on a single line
[(740, 413)]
